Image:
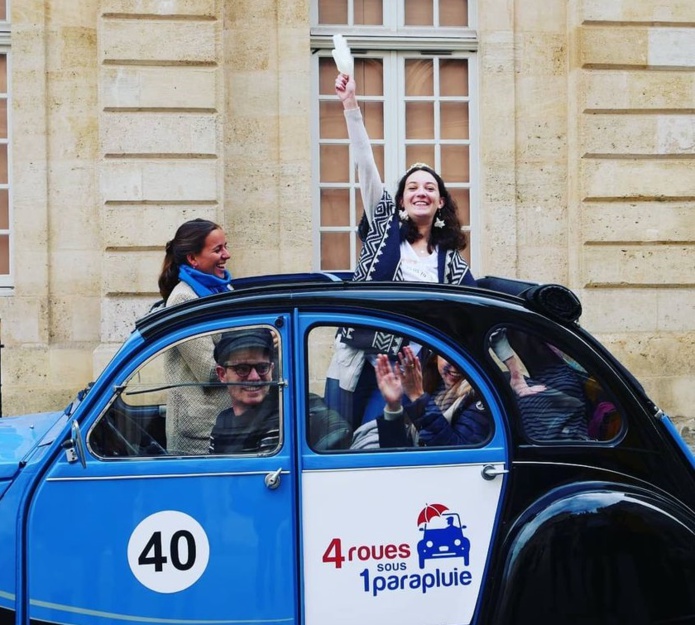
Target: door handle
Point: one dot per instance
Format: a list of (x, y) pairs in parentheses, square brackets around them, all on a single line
[(272, 480), (490, 472)]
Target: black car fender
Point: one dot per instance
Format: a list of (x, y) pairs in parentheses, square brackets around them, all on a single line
[(599, 553)]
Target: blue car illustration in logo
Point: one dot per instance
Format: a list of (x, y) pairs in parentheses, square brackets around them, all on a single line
[(443, 538)]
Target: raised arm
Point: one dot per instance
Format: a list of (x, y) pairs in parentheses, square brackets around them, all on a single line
[(503, 350), (371, 186)]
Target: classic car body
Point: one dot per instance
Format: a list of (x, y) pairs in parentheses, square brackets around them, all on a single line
[(100, 523)]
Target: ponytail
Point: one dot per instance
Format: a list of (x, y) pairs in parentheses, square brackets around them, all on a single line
[(189, 239)]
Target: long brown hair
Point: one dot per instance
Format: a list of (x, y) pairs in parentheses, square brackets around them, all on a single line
[(432, 383), (450, 237), (189, 239)]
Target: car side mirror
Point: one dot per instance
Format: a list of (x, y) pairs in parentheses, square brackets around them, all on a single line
[(74, 446)]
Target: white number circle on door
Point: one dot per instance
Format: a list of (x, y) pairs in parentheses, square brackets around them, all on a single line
[(168, 551)]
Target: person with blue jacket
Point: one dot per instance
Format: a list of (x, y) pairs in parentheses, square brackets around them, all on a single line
[(443, 409)]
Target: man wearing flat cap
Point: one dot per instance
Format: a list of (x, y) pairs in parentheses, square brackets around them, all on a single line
[(244, 362)]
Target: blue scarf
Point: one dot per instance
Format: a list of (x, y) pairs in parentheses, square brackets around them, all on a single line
[(204, 283)]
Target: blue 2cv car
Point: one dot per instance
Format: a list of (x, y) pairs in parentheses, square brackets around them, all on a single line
[(573, 503)]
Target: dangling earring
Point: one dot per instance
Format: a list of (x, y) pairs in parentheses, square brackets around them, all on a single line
[(403, 215), (438, 221)]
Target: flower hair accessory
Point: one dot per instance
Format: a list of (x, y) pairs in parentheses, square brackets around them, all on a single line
[(418, 166)]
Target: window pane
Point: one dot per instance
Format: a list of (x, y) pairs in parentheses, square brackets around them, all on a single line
[(327, 74), (164, 409), (369, 75), (455, 163), (3, 164), (575, 406), (335, 251), (332, 121), (3, 10), (3, 73), (335, 207), (449, 13), (467, 252), (4, 254), (373, 115), (333, 12), (3, 118), (4, 209), (419, 76), (326, 429), (453, 13), (134, 424), (454, 120), (462, 197), (420, 154), (467, 422), (419, 12), (334, 163), (368, 12), (419, 120), (453, 77)]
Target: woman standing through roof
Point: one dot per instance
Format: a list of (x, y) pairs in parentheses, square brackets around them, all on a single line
[(414, 236), (194, 266)]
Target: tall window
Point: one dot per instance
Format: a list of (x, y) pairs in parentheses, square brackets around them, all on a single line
[(415, 68), (5, 156)]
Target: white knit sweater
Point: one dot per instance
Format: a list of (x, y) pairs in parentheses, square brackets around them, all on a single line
[(191, 410)]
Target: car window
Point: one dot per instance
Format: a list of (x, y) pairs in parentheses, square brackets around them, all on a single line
[(558, 397), (372, 390), (183, 402)]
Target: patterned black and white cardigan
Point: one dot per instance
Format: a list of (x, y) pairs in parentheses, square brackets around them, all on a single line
[(380, 258)]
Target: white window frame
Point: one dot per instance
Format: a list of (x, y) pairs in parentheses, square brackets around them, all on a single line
[(7, 280), (394, 43)]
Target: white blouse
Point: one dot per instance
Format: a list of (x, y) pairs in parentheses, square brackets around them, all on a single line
[(416, 268)]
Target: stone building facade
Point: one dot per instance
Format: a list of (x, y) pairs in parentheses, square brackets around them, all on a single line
[(131, 116)]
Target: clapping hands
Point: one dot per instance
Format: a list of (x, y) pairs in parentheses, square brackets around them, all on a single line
[(396, 379)]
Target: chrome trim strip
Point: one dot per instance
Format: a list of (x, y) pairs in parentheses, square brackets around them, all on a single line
[(158, 476), (141, 619), (415, 466)]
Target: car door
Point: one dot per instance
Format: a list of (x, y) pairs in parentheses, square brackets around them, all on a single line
[(130, 533), (398, 534)]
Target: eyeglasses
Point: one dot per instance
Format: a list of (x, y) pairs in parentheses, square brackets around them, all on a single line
[(243, 369), (452, 371)]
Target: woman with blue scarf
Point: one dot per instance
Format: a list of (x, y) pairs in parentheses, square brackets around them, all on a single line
[(194, 266)]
